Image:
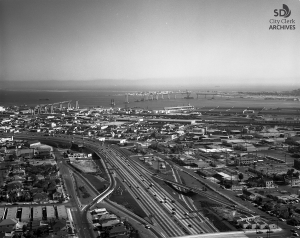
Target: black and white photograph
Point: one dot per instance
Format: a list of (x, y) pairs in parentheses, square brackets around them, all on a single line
[(149, 118)]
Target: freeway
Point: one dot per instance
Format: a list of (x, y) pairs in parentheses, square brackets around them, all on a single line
[(81, 220), (212, 197), (164, 221), (190, 203), (162, 198)]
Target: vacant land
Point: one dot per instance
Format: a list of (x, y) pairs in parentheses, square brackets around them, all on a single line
[(84, 194), (86, 166)]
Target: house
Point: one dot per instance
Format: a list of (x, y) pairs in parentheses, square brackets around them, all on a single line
[(261, 225), (117, 231), (272, 226), (268, 183), (252, 225), (40, 177), (40, 197), (244, 224), (7, 225), (19, 226), (57, 196), (249, 195)]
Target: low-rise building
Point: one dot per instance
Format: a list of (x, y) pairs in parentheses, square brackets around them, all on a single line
[(50, 212), (37, 213), (7, 225), (26, 214), (11, 213), (117, 231), (62, 212)]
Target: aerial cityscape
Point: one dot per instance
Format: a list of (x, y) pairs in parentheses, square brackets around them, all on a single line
[(149, 119)]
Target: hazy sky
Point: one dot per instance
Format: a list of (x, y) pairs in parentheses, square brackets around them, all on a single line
[(219, 41)]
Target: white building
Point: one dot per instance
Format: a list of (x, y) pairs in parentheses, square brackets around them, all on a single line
[(50, 212), (26, 214), (62, 212), (37, 213)]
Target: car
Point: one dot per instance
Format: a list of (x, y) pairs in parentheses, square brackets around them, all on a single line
[(292, 230), (147, 226), (189, 225), (269, 231), (259, 232), (173, 213), (295, 234), (281, 219)]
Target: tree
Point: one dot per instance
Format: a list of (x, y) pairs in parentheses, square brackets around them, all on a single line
[(241, 176), (259, 200)]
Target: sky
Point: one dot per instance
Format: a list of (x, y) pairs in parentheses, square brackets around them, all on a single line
[(213, 41)]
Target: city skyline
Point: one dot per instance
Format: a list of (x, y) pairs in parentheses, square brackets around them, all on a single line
[(217, 42)]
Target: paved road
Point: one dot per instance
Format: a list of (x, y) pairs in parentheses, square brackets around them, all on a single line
[(82, 226)]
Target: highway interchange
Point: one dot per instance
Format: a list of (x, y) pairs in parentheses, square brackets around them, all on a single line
[(169, 218)]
